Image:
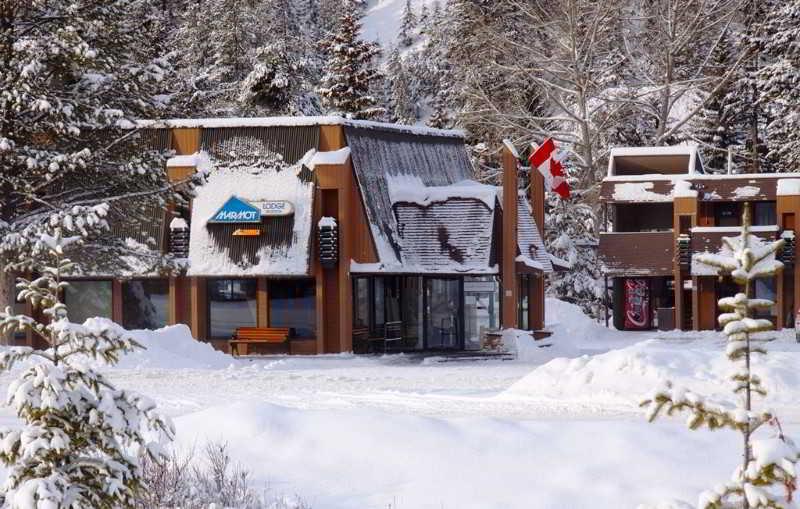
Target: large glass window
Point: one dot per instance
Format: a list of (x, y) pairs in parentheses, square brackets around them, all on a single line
[(88, 299), (764, 288), (481, 309), (522, 305), (764, 213), (361, 302), (145, 303), (443, 313), (231, 304), (292, 303)]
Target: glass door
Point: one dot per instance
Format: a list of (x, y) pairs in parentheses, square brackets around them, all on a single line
[(443, 313)]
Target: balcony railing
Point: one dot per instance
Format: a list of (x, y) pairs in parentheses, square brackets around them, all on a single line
[(637, 253)]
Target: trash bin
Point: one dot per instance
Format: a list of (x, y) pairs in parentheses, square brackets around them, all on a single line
[(666, 318)]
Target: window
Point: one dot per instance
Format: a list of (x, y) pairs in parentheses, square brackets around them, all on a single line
[(765, 289), (88, 299), (145, 304), (361, 302), (643, 217), (292, 303), (728, 214), (522, 304), (764, 213), (231, 304)]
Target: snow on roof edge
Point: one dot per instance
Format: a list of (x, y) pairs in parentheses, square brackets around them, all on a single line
[(286, 121), (653, 151)]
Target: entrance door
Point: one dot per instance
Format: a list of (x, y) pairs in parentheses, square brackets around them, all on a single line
[(443, 313)]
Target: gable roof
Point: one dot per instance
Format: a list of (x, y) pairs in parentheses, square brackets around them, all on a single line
[(531, 246), (378, 154), (450, 237)]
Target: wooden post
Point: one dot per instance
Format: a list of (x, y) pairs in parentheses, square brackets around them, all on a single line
[(683, 206), (788, 215), (116, 301), (198, 308), (510, 298), (536, 298), (262, 302)]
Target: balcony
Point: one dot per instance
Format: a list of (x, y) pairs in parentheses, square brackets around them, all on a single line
[(709, 238), (637, 253)]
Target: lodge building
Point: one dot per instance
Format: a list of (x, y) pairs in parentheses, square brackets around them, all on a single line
[(663, 209), (370, 230)]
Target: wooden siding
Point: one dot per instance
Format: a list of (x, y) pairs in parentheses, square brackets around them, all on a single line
[(637, 253), (509, 287), (291, 143), (186, 141), (716, 189), (712, 241)]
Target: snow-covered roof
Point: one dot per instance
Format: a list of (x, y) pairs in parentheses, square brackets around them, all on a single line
[(452, 236), (789, 187), (411, 189), (232, 122), (334, 157), (282, 245), (380, 155), (678, 159), (531, 248)]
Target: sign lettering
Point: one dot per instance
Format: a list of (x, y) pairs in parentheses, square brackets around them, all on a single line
[(236, 210)]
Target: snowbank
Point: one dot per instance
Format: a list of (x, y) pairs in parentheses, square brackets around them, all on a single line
[(366, 458), (173, 347)]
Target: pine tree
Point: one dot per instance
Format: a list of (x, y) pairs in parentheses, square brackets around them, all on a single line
[(768, 464), (778, 83), (349, 70), (407, 24), (402, 105), (81, 438), (570, 236), (74, 75), (440, 119), (716, 127)]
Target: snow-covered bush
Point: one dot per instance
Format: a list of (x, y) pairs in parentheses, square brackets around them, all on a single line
[(183, 481), (81, 437), (767, 477)]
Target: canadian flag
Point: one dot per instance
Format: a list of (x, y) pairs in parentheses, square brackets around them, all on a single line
[(548, 161)]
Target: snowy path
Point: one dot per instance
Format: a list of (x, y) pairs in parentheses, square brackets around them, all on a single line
[(431, 390)]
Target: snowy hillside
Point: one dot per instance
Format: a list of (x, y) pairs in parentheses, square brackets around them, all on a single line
[(382, 19)]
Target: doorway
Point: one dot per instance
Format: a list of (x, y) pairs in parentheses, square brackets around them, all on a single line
[(443, 313)]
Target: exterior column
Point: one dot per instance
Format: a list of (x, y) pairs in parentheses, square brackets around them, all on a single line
[(788, 218), (262, 303), (685, 207), (508, 270), (178, 301), (198, 308), (116, 301), (334, 296), (536, 298)]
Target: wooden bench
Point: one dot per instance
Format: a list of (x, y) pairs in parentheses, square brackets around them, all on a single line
[(275, 337)]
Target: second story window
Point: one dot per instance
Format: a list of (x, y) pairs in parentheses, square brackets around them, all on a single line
[(764, 213)]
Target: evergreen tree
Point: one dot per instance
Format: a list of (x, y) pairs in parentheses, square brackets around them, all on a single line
[(570, 236), (74, 75), (716, 127), (440, 119), (778, 83), (407, 24), (81, 438), (768, 465), (402, 106), (349, 70)]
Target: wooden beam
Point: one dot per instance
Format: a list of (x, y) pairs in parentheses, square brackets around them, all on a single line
[(198, 309), (116, 301), (186, 140), (262, 302), (331, 137), (509, 290)]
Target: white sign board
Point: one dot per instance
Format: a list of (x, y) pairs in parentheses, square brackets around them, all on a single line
[(479, 286), (276, 208)]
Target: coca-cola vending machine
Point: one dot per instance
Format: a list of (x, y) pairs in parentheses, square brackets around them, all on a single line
[(637, 304)]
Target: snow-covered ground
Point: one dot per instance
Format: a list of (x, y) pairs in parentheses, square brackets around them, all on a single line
[(558, 428)]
